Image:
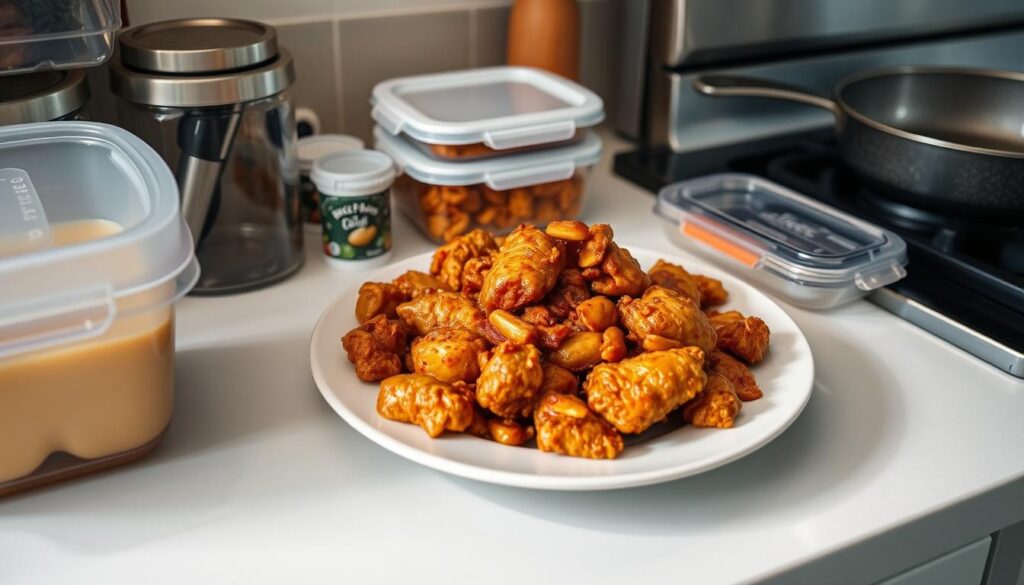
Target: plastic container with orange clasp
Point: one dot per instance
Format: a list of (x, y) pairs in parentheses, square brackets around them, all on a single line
[(807, 253)]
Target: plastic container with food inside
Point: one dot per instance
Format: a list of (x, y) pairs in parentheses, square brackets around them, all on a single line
[(810, 254), (93, 255), (447, 199), (56, 34), (493, 111)]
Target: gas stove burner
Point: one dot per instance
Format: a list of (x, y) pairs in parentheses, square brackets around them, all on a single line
[(903, 215), (965, 279)]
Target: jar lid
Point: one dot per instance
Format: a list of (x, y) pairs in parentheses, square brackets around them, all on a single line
[(42, 96), (198, 45), (501, 107), (509, 171), (311, 148), (200, 62), (353, 172), (89, 217), (754, 223)]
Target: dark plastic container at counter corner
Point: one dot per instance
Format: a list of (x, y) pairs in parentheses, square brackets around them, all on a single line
[(808, 253)]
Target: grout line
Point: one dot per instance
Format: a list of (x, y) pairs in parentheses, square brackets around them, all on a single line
[(339, 98)]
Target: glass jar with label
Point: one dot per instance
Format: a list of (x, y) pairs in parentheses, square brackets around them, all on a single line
[(355, 208)]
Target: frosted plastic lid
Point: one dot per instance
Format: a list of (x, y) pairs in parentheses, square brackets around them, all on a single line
[(310, 148), (353, 172), (88, 216), (501, 107), (765, 226), (498, 173)]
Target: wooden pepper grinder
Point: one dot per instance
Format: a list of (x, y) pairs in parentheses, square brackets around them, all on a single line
[(545, 34)]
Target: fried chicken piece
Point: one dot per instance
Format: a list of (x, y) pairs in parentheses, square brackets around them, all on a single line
[(664, 312), (676, 278), (743, 382), (378, 298), (510, 380), (450, 259), (637, 392), (716, 406), (559, 379), (712, 293), (448, 354), (744, 337), (595, 245), (474, 270), (539, 315), (526, 268), (413, 283), (427, 402), (565, 425), (508, 432), (434, 310), (571, 290), (551, 337), (620, 274), (376, 347)]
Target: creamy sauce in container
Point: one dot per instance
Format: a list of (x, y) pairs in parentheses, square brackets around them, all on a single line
[(90, 399)]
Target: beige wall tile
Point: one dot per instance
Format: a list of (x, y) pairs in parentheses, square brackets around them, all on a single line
[(489, 35), (374, 49), (312, 48)]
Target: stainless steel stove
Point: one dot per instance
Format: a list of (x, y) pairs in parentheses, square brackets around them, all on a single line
[(965, 279)]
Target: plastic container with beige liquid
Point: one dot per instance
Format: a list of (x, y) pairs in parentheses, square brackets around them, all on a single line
[(93, 255)]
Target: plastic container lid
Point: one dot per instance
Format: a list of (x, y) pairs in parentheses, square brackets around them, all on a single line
[(54, 175), (498, 173), (56, 34), (311, 148), (353, 172), (501, 107), (764, 226)]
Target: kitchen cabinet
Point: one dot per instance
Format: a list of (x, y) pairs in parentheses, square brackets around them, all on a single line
[(964, 566)]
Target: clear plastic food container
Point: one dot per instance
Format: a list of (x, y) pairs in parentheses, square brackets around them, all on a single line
[(810, 254), (447, 199), (56, 34), (93, 255), (477, 113)]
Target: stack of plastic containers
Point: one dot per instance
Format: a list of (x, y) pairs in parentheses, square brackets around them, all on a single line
[(93, 255), (488, 148)]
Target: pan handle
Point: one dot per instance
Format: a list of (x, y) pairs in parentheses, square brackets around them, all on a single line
[(734, 85)]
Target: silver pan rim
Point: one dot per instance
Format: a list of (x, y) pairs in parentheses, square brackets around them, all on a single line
[(921, 138)]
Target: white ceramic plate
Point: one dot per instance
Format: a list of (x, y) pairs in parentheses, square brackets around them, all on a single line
[(666, 452)]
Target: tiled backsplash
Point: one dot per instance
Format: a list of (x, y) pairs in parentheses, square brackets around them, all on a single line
[(342, 48)]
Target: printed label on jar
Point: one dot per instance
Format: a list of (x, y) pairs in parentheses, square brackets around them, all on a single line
[(356, 228)]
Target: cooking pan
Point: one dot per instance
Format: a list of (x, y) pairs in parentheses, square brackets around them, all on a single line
[(940, 138)]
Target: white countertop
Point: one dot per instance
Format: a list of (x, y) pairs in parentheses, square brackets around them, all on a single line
[(908, 448)]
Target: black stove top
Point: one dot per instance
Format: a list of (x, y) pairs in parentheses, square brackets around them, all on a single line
[(968, 271)]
